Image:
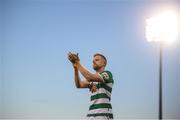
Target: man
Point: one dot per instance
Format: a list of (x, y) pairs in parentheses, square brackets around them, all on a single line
[(100, 85)]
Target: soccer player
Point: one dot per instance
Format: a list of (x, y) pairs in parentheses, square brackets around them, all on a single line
[(99, 83)]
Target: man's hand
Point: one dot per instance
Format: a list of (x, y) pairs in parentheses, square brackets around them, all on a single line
[(92, 87), (73, 57)]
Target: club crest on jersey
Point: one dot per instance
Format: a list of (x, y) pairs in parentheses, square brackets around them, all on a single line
[(105, 75)]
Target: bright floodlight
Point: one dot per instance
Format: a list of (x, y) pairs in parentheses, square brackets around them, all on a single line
[(162, 27)]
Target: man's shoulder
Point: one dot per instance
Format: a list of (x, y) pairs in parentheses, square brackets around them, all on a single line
[(107, 76)]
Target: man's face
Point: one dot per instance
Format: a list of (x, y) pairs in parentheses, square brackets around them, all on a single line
[(98, 62)]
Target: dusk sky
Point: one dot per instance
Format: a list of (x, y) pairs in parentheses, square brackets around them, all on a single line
[(36, 79)]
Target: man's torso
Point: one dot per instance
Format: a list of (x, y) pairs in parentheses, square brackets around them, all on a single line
[(100, 100)]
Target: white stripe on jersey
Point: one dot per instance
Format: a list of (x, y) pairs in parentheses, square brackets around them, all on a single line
[(100, 100), (98, 118), (109, 85), (102, 90), (101, 110)]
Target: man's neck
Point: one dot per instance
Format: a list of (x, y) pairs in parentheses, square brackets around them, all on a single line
[(100, 70)]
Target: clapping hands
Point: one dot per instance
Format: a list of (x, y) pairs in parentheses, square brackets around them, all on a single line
[(73, 58)]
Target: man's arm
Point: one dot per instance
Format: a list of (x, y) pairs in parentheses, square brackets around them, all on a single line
[(78, 82), (90, 77)]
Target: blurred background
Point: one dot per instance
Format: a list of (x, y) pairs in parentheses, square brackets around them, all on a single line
[(36, 78)]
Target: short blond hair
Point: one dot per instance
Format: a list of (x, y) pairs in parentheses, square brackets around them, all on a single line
[(99, 54)]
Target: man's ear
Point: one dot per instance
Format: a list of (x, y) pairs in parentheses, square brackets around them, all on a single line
[(104, 63)]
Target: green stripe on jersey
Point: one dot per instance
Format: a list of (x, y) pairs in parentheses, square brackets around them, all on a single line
[(109, 115), (102, 85), (101, 95), (110, 81), (101, 105)]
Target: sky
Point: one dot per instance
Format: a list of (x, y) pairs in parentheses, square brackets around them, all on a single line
[(36, 79)]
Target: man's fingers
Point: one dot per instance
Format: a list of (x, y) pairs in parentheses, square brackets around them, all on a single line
[(72, 54), (69, 57), (73, 57), (69, 53)]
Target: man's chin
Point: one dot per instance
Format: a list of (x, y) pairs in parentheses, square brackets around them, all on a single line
[(95, 68)]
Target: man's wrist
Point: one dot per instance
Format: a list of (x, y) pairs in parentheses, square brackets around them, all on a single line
[(77, 63)]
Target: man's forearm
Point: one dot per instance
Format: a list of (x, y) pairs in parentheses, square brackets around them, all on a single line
[(88, 75), (78, 82), (76, 77)]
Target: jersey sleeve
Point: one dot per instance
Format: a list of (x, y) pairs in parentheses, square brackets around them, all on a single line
[(107, 76)]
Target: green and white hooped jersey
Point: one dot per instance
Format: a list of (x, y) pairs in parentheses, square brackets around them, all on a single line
[(100, 100)]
